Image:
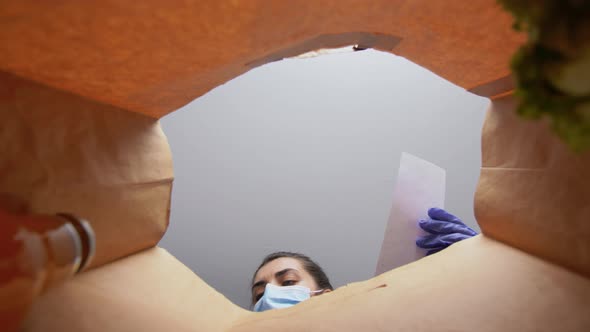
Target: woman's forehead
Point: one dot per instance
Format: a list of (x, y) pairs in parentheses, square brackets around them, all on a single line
[(269, 269)]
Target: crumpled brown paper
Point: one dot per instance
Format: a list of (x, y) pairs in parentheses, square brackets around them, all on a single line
[(476, 285), (533, 192), (153, 57), (63, 153)]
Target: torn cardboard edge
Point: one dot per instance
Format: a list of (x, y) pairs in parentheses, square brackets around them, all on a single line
[(379, 41)]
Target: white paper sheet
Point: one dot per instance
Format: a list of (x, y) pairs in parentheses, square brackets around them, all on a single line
[(420, 186)]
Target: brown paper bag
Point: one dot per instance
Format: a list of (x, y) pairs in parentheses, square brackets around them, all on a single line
[(534, 192), (63, 153), (156, 57), (476, 285), (71, 74)]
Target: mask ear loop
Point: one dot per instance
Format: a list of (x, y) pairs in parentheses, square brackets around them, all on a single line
[(315, 292)]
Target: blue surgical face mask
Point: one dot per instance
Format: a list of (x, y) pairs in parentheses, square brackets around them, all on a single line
[(277, 297)]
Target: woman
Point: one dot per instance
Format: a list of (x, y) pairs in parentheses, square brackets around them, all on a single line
[(284, 279)]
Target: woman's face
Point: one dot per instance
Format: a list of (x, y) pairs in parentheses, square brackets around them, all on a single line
[(284, 271)]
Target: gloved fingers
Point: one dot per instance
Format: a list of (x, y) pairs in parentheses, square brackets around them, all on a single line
[(469, 231), (434, 251), (453, 238), (433, 241), (429, 241), (434, 226), (440, 214)]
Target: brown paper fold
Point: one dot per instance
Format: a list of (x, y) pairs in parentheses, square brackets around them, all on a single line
[(148, 291), (156, 56), (63, 153), (476, 285), (533, 192)]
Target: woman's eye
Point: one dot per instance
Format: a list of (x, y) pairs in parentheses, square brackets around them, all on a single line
[(289, 282)]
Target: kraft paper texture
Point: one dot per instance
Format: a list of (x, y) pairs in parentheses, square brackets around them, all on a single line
[(533, 192), (475, 285), (63, 153), (153, 57)]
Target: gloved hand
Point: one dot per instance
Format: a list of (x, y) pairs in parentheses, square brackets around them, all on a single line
[(444, 228)]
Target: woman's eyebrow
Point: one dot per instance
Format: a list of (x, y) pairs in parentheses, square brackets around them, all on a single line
[(285, 271), (278, 275)]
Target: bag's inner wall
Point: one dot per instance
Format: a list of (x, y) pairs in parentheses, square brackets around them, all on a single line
[(63, 153), (156, 57)]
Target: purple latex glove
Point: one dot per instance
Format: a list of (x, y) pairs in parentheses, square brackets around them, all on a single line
[(444, 228)]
